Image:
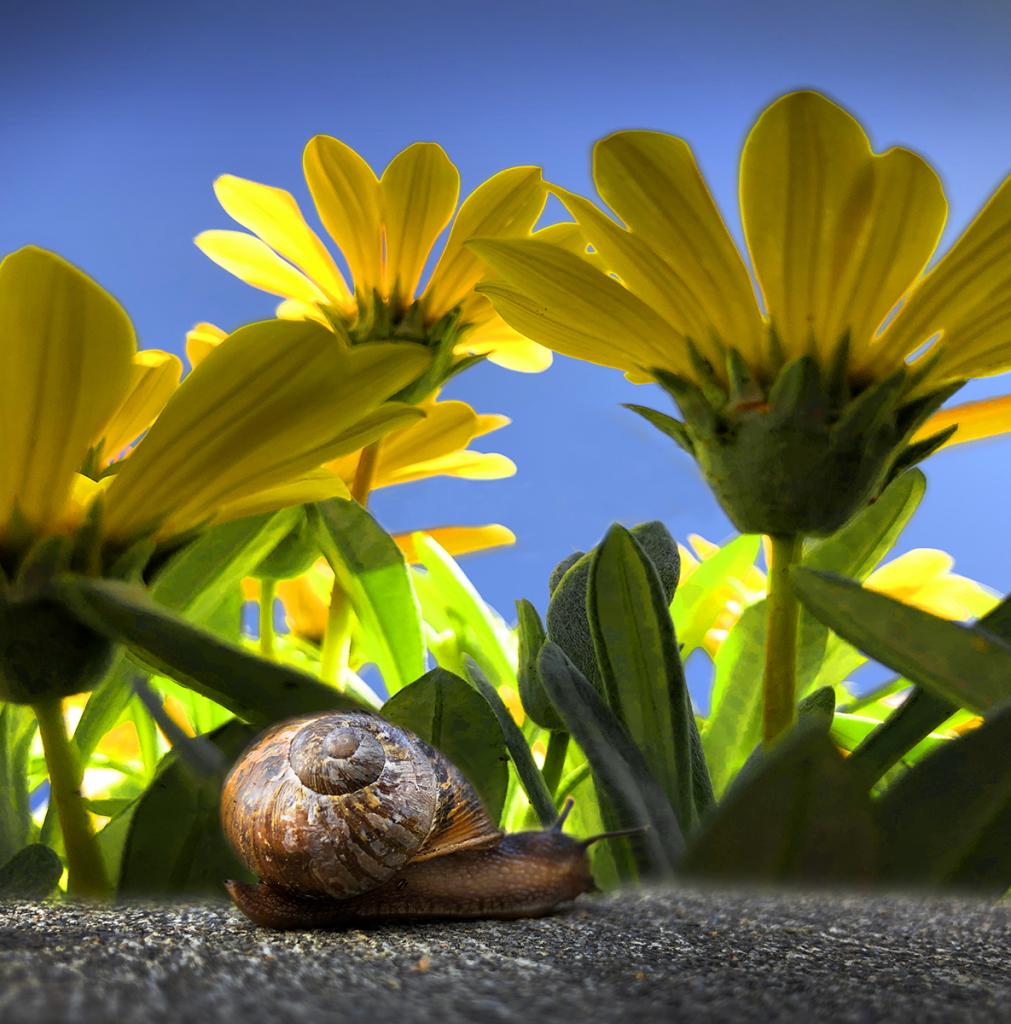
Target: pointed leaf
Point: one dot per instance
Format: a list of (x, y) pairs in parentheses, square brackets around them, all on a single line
[(371, 569), (448, 713), (254, 689), (797, 815), (637, 654), (532, 638), (175, 845), (196, 580), (948, 819), (478, 629), (529, 774), (618, 767), (963, 664), (17, 730)]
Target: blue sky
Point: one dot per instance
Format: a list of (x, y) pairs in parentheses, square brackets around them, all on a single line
[(116, 117)]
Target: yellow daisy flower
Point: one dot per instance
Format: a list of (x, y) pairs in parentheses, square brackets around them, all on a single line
[(385, 229), (245, 432), (800, 400)]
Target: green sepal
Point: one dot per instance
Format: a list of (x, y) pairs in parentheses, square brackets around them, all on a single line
[(674, 429), (45, 651), (811, 454), (448, 713), (916, 452)]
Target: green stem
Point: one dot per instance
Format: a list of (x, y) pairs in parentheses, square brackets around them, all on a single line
[(337, 639), (779, 689), (268, 591), (84, 860), (554, 759)]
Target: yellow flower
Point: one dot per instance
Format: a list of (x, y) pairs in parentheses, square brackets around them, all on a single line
[(922, 577), (385, 229), (863, 341), (246, 431)]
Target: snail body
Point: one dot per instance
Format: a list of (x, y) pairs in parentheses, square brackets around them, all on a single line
[(347, 818)]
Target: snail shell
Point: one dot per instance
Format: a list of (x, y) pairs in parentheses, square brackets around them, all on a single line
[(334, 805)]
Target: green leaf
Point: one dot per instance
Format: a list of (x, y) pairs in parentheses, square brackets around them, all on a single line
[(31, 874), (637, 654), (17, 730), (796, 815), (618, 767), (947, 821), (701, 597), (532, 638), (963, 664), (453, 717), (371, 569), (175, 845), (529, 774), (734, 726), (197, 580), (254, 689), (568, 625), (451, 602)]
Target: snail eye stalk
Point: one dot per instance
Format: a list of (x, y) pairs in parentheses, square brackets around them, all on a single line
[(560, 823), (617, 834)]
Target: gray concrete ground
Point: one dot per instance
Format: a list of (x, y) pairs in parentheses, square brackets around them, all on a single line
[(694, 955)]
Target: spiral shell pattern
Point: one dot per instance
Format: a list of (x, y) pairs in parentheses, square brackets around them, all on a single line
[(334, 805)]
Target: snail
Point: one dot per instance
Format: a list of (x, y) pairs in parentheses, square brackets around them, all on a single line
[(346, 818)]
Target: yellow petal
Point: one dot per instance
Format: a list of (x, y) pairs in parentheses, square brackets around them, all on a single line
[(258, 265), (652, 182), (643, 272), (292, 310), (507, 205), (506, 347), (557, 299), (418, 191), (65, 362), (305, 611), (457, 540), (387, 419), (201, 340), (836, 233), (274, 216), (989, 417), (567, 235), (269, 404), (903, 576), (967, 298), (466, 465), (433, 446), (346, 193), (155, 377), (317, 485)]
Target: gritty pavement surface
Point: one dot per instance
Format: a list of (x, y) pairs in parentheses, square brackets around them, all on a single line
[(693, 955)]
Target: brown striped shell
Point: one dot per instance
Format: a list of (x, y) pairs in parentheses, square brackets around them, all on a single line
[(336, 804)]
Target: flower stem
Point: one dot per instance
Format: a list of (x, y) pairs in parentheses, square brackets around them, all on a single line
[(268, 591), (84, 860), (337, 640), (780, 680)]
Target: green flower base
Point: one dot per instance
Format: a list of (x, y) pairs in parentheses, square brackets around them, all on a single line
[(802, 456)]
